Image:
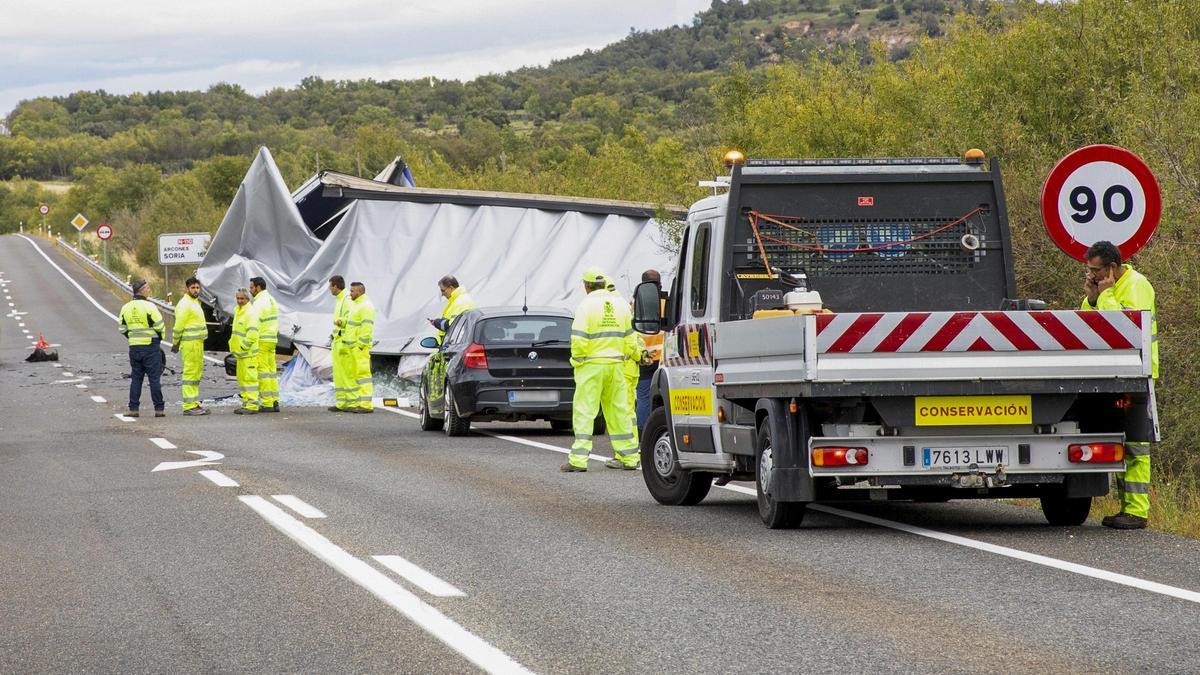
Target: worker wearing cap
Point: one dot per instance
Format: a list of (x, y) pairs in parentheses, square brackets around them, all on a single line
[(243, 344), (601, 341), (142, 325), (345, 388), (187, 338), (268, 338), (457, 302), (361, 337), (1108, 284)]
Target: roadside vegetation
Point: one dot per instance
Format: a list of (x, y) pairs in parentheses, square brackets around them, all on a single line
[(644, 118)]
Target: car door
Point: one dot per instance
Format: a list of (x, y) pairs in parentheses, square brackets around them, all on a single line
[(438, 367)]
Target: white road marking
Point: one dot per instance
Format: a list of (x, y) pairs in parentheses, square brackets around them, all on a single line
[(470, 646), (124, 418), (505, 437), (218, 478), (20, 325), (66, 374), (419, 577), (66, 381), (58, 365), (99, 399), (163, 443), (1093, 572), (81, 386), (207, 458), (68, 278), (299, 506)]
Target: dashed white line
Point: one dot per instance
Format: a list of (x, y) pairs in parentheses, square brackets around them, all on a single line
[(164, 443), (66, 381), (81, 386), (299, 506), (419, 577), (440, 626), (218, 478), (99, 399), (68, 374), (123, 418), (20, 325)]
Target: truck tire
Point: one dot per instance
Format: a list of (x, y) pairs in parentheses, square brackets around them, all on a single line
[(669, 484), (1066, 511), (455, 424), (776, 515), (428, 423)]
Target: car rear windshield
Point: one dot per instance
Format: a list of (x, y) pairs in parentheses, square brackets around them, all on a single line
[(524, 330)]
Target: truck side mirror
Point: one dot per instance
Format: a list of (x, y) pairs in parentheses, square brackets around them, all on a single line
[(647, 308)]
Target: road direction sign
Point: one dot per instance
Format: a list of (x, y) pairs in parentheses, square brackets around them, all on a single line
[(1101, 192), (104, 231), (43, 209), (183, 249), (79, 222)]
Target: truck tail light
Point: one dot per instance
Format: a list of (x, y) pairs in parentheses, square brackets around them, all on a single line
[(474, 357), (1096, 453), (840, 456)]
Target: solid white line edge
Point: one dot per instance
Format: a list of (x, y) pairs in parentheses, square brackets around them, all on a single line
[(299, 506)]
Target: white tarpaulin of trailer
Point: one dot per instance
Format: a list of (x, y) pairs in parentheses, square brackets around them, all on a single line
[(503, 255)]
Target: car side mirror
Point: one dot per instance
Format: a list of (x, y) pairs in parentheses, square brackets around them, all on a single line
[(429, 343), (647, 308)]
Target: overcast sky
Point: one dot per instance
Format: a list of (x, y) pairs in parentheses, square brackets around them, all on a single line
[(59, 46)]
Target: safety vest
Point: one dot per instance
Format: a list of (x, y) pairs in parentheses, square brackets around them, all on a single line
[(268, 316), (243, 343), (362, 322), (458, 302), (189, 321), (340, 311), (141, 322), (602, 331), (1132, 291)]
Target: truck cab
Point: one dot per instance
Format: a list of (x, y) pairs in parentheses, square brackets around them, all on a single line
[(842, 329)]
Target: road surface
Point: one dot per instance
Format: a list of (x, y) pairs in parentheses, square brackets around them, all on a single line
[(320, 542)]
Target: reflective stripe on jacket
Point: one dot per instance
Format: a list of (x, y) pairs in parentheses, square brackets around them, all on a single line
[(362, 321), (1132, 291), (141, 322), (602, 330), (268, 316), (189, 321), (243, 343)]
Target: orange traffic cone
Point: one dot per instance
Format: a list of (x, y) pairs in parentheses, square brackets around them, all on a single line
[(41, 343)]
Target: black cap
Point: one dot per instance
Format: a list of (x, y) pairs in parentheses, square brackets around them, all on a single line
[(139, 285)]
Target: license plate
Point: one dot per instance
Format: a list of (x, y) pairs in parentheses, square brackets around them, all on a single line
[(963, 458), (533, 397)]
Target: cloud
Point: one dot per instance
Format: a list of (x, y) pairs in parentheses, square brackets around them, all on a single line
[(122, 46)]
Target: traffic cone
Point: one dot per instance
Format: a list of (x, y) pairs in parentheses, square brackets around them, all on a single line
[(41, 343), (40, 352)]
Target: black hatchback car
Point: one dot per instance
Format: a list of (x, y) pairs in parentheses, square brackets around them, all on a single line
[(499, 364)]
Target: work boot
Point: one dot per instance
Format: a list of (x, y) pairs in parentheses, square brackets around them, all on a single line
[(571, 468), (614, 463), (1124, 521), (334, 408), (363, 411), (274, 407), (160, 413), (131, 413), (246, 411), (195, 411)]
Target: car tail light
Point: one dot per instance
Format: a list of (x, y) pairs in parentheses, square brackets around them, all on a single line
[(474, 357), (1096, 453), (840, 456)]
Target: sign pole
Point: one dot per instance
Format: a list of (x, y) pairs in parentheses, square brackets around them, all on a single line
[(167, 276), (105, 254)]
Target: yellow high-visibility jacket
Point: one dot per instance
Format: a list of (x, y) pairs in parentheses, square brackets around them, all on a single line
[(1132, 291), (189, 321), (243, 343), (141, 322), (602, 331), (340, 311), (268, 316), (458, 302), (361, 323)]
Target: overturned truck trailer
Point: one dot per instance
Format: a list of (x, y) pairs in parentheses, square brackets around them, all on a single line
[(505, 248)]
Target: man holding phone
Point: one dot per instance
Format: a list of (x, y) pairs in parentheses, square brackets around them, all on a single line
[(1109, 284)]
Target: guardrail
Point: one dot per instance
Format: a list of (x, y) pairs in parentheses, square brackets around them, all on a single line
[(108, 274)]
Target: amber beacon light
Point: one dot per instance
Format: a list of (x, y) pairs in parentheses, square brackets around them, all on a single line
[(735, 158)]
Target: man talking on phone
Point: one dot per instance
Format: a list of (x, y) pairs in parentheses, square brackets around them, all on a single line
[(1109, 284)]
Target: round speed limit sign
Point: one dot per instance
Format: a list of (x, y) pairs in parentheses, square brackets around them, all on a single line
[(1101, 192), (104, 231)]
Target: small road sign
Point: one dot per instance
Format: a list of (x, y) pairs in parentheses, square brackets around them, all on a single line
[(104, 231), (79, 222), (1101, 192), (43, 209)]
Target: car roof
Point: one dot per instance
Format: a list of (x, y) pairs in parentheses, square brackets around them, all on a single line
[(498, 312)]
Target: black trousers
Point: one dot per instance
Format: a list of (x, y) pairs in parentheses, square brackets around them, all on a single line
[(145, 361)]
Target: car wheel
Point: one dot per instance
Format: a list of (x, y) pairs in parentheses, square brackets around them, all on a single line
[(1066, 511), (428, 423), (560, 425), (599, 427), (775, 514), (455, 424), (669, 484)]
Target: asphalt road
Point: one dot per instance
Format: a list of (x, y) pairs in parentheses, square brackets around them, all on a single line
[(504, 563)]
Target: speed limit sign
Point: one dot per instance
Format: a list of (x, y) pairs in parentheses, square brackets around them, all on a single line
[(1101, 192)]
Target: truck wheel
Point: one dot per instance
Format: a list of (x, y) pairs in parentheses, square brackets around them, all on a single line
[(455, 425), (669, 484), (1066, 511), (428, 423), (776, 515)]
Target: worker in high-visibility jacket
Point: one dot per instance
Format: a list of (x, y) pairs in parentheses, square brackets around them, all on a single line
[(268, 338), (142, 325), (1108, 284), (362, 326), (602, 340), (243, 344), (187, 339), (457, 302), (345, 388), (631, 368)]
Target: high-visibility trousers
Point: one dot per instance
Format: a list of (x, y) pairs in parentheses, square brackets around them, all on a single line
[(362, 371), (268, 377), (1133, 485), (192, 353), (601, 386), (247, 377), (345, 379)]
